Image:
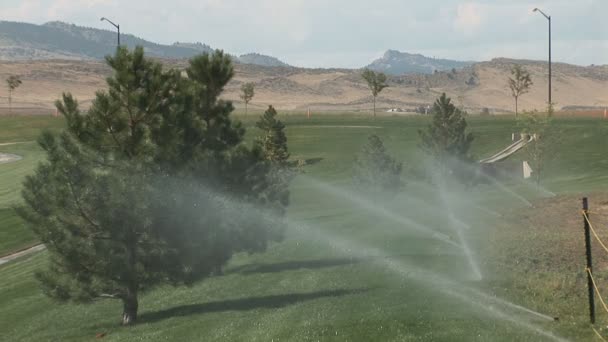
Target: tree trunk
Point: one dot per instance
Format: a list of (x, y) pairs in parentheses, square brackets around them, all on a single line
[(516, 106), (130, 306), (245, 108), (374, 106), (538, 170), (10, 101)]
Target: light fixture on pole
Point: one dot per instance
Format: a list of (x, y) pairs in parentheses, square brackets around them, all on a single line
[(549, 19), (115, 25)]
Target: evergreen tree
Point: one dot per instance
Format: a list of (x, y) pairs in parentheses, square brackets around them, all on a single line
[(375, 169), (274, 140), (137, 192), (273, 146), (446, 138)]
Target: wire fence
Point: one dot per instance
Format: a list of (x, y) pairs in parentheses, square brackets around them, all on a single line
[(589, 271)]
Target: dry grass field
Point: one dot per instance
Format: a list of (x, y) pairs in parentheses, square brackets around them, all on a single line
[(328, 90)]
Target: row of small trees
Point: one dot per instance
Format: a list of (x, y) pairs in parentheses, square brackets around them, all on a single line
[(519, 83), (154, 184)]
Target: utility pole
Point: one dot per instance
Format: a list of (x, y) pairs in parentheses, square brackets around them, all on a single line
[(115, 25), (548, 17)]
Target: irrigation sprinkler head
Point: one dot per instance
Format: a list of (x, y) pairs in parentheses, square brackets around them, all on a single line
[(556, 319)]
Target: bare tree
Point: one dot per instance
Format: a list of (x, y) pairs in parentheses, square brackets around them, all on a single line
[(546, 140), (13, 83), (519, 83), (376, 82), (247, 93)]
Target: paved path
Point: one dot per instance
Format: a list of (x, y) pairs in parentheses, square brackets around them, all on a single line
[(11, 257)]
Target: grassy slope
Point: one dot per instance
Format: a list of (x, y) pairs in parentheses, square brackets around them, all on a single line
[(305, 289), (24, 131)]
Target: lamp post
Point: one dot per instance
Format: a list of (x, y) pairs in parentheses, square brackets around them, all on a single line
[(549, 19), (115, 25)]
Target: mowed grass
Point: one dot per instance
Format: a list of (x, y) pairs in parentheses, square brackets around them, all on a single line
[(347, 272), (18, 135)]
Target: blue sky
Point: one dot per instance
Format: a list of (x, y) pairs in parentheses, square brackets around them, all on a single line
[(348, 33)]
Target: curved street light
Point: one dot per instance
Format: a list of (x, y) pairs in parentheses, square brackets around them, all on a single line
[(549, 19), (115, 25)]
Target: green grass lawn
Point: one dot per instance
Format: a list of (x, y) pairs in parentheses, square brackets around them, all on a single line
[(23, 131), (348, 271)]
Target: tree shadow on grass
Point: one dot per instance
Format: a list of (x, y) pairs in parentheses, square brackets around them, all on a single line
[(293, 265), (243, 304)]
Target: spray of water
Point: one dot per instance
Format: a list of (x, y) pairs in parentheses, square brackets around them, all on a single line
[(482, 302), (368, 205), (464, 201), (476, 299), (458, 226), (380, 211), (505, 189), (531, 185)]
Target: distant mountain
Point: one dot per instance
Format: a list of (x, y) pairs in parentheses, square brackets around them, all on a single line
[(198, 46), (263, 60), (59, 40), (398, 63), (62, 40)]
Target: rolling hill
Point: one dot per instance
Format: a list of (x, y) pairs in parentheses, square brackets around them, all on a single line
[(481, 85), (57, 57), (59, 40)]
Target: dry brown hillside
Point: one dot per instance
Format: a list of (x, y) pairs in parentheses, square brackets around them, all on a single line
[(481, 85)]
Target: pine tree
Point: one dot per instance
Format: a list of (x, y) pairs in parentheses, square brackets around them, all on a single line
[(375, 169), (274, 140), (137, 192), (273, 146), (446, 138)]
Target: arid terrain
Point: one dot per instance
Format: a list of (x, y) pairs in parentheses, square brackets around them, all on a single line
[(482, 85)]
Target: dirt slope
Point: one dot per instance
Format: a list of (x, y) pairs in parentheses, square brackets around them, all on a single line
[(475, 87)]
